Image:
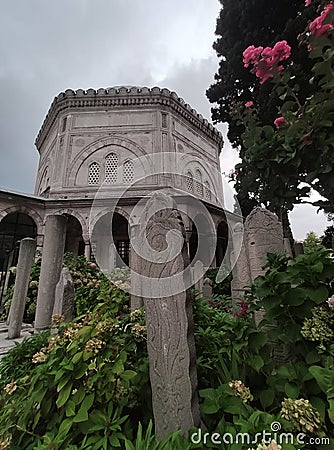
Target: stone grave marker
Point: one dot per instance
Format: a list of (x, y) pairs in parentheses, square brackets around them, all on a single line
[(170, 338), (64, 298)]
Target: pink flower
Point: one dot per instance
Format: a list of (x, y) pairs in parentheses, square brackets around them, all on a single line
[(249, 104), (92, 265), (317, 27), (265, 60), (281, 51), (251, 55), (307, 2), (244, 307), (279, 122), (264, 74)]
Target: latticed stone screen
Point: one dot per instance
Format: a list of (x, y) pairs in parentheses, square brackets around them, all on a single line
[(128, 172), (207, 191), (198, 184), (189, 182), (94, 173), (111, 168)]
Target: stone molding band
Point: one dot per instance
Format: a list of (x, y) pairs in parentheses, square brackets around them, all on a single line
[(126, 97)]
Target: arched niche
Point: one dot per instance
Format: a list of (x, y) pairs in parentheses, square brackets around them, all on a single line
[(222, 241), (110, 241), (14, 227), (74, 242)]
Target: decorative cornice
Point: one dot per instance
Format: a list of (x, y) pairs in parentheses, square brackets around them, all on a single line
[(126, 96)]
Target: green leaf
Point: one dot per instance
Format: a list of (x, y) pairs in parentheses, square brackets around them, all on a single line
[(257, 340), (77, 357), (79, 395), (128, 375), (331, 410), (267, 398), (210, 408), (319, 294), (292, 390), (296, 296), (129, 445), (64, 428), (82, 414), (82, 369), (287, 372), (312, 357), (114, 441), (324, 377), (319, 405), (39, 395), (70, 408), (63, 381), (257, 362), (64, 395)]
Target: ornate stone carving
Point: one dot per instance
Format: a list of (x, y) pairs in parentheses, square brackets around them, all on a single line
[(263, 234), (64, 297), (170, 338)]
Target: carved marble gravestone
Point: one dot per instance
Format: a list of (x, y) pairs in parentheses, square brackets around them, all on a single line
[(263, 234), (170, 338), (64, 298), (239, 261)]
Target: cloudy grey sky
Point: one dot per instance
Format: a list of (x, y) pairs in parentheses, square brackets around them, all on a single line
[(47, 47)]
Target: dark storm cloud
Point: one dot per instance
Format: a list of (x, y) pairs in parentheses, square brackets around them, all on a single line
[(47, 47)]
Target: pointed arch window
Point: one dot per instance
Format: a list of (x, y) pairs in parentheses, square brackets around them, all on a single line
[(128, 172), (189, 181), (94, 173), (198, 183), (111, 168)]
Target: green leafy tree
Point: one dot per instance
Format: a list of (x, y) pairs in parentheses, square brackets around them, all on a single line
[(283, 161), (327, 239), (311, 242), (243, 23), (239, 25)]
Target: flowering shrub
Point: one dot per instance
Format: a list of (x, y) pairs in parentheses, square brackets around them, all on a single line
[(301, 414), (317, 27), (272, 446), (83, 385), (88, 387), (31, 299), (282, 162), (90, 286), (320, 327), (241, 390), (265, 61)]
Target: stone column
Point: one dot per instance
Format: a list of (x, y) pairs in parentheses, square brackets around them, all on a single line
[(52, 262), (87, 250), (136, 301), (10, 260), (23, 270), (162, 258)]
